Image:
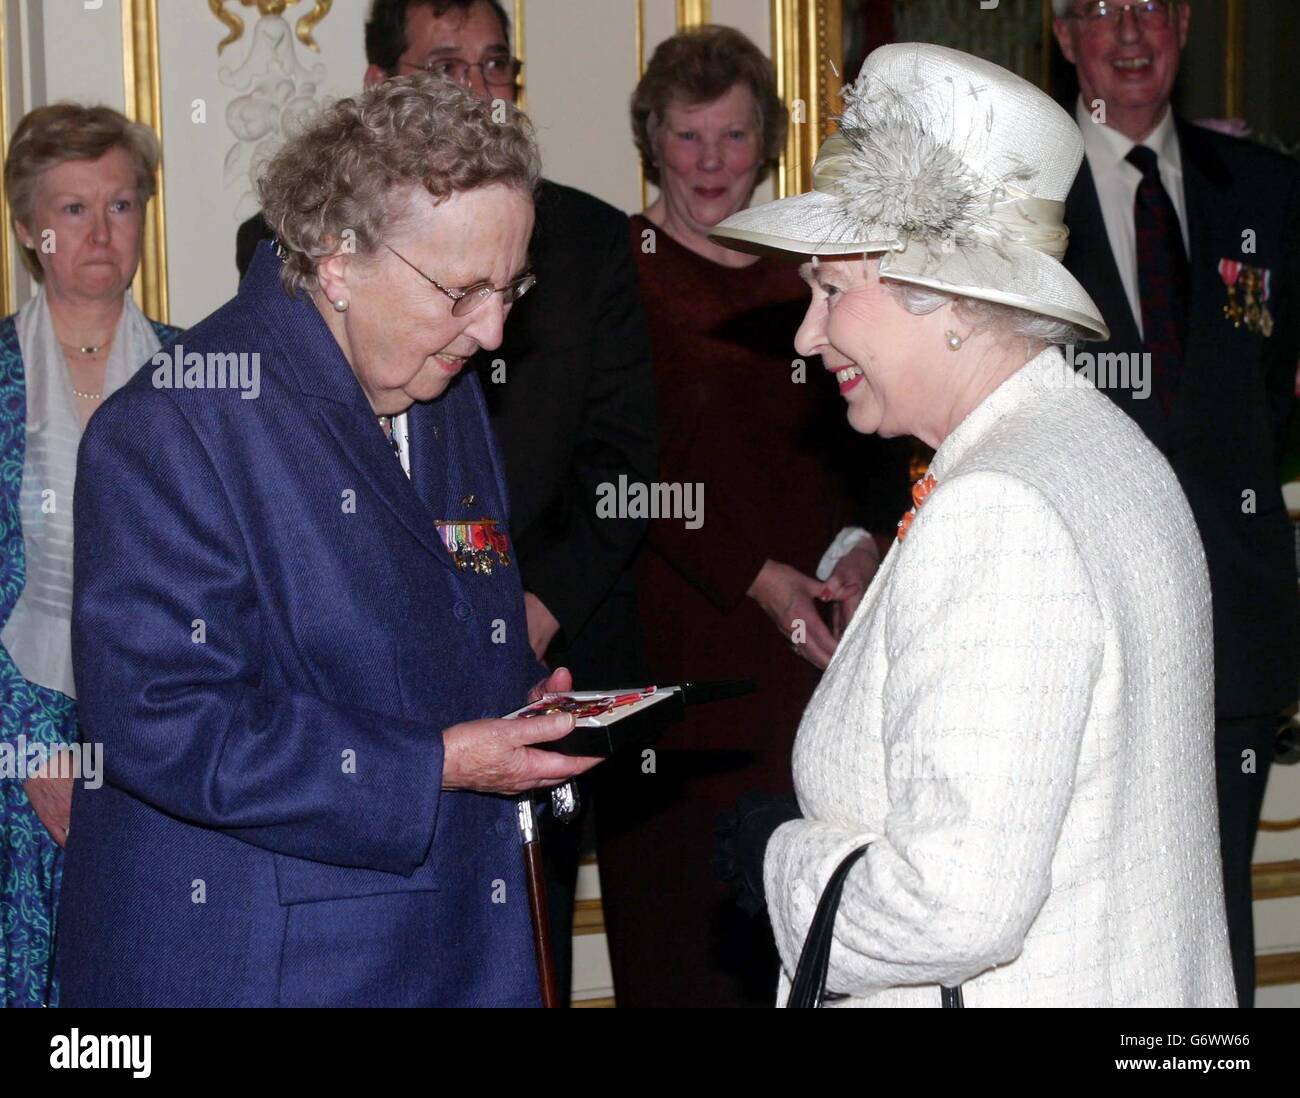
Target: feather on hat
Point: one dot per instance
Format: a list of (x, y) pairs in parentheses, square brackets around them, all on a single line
[(952, 167)]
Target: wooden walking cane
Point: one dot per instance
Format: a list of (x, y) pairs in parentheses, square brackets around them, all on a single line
[(537, 908), (633, 732)]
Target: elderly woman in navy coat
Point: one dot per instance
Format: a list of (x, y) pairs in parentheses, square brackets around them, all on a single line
[(296, 614)]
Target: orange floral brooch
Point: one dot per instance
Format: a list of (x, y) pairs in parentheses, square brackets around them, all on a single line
[(920, 491)]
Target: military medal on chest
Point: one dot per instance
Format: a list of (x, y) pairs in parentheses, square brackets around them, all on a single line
[(1249, 290), (477, 546)]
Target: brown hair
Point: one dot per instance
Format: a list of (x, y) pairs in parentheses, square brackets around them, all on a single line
[(53, 135), (337, 174), (698, 66)]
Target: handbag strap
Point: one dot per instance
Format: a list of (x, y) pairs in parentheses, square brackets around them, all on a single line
[(808, 989), (809, 986)]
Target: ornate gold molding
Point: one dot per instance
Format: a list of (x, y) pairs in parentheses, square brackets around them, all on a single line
[(8, 254), (694, 13), (807, 50), (233, 24), (142, 78), (303, 28), (307, 24)]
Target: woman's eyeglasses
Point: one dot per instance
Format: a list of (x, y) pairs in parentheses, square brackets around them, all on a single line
[(466, 299), (498, 72)]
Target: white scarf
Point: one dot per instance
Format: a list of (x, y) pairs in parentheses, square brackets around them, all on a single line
[(38, 632)]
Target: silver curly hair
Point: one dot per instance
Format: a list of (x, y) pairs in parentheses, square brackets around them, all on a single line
[(351, 166), (1006, 320)]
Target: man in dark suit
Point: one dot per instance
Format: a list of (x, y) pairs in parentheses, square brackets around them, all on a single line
[(570, 391), (1188, 241)]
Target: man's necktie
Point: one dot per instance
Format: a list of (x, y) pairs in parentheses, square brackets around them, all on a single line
[(1162, 275)]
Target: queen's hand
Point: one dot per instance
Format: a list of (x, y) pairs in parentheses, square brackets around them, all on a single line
[(789, 598), (849, 582)]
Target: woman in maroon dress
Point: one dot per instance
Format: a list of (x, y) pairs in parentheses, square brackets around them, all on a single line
[(733, 596)]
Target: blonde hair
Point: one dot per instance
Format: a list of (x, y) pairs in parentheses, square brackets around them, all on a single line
[(339, 174), (54, 135)]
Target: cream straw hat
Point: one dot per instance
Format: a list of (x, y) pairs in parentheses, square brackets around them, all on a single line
[(952, 167)]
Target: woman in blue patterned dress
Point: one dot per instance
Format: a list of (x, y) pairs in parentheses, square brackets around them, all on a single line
[(78, 179)]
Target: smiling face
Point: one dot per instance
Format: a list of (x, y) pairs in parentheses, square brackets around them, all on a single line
[(1128, 62), (709, 157), (93, 210), (877, 350), (398, 332)]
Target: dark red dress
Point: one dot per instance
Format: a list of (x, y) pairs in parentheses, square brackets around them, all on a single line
[(778, 463)]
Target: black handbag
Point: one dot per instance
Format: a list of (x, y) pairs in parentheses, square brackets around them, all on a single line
[(809, 987)]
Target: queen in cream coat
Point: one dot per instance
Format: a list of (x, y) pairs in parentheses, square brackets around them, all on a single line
[(1019, 721), (1019, 717)]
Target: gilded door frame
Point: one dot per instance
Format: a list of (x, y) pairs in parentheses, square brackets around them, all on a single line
[(142, 80), (8, 250), (807, 45)]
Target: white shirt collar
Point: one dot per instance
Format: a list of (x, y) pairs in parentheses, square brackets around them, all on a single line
[(1106, 147)]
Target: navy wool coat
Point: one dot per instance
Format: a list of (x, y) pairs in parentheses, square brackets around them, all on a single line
[(269, 637)]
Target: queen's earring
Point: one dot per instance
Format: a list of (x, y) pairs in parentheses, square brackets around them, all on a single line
[(341, 305), (953, 340)]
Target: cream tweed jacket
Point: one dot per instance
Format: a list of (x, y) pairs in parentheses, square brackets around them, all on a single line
[(1020, 721)]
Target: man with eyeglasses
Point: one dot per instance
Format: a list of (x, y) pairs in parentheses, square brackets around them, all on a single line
[(570, 391), (1189, 241)]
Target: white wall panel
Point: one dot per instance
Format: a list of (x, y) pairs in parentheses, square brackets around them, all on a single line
[(580, 70), (753, 17), (660, 22), (253, 90), (82, 50)]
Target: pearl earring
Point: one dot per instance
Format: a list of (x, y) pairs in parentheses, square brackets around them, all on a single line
[(954, 341), (341, 305)]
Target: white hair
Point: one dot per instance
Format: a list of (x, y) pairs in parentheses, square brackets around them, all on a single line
[(983, 315)]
